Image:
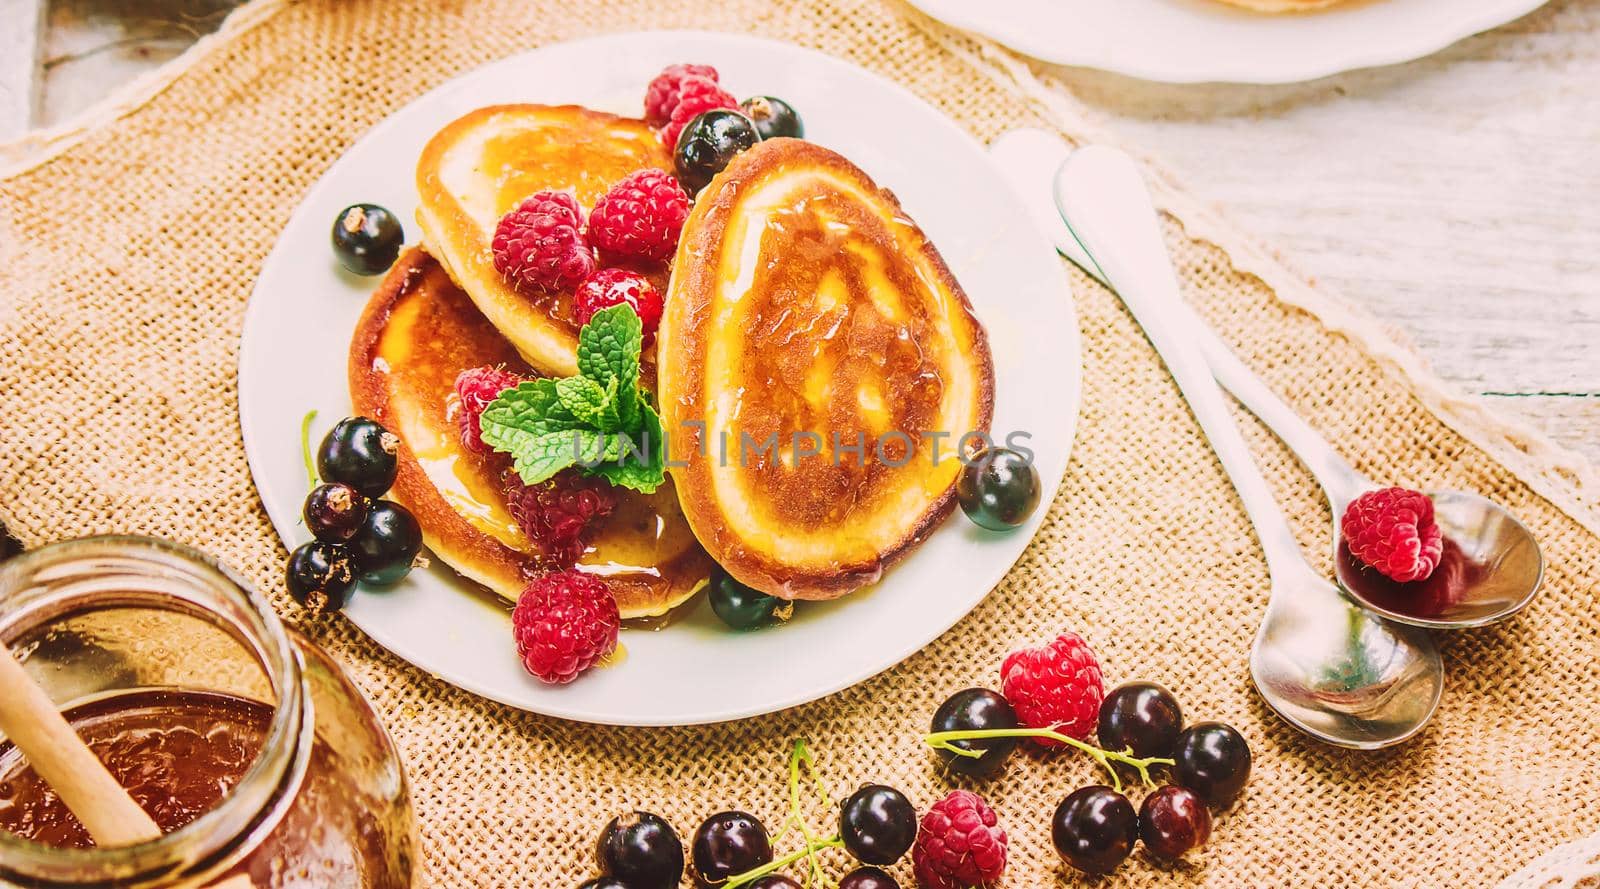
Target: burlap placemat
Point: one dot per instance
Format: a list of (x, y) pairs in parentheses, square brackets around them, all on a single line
[(129, 255)]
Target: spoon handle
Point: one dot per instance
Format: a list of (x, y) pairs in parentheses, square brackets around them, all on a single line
[(1102, 197), (1340, 481), (1027, 157)]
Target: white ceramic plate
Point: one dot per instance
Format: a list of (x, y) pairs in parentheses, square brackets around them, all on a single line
[(301, 315), (1196, 41)]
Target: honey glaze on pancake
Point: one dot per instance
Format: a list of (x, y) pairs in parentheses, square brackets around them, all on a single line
[(526, 161), (418, 333), (485, 163), (521, 163), (841, 357), (807, 311)]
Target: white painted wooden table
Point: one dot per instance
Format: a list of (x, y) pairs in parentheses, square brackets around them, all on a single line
[(1457, 196)]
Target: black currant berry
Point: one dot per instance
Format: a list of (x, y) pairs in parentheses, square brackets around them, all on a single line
[(877, 824), (334, 512), (386, 546), (773, 881), (969, 710), (367, 238), (1142, 717), (604, 883), (998, 488), (641, 850), (1213, 760), (1173, 820), (709, 143), (743, 608), (321, 576), (773, 117), (359, 453), (729, 843), (1094, 829), (868, 878)]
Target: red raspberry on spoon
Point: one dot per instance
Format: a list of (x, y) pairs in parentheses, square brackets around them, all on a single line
[(1393, 531)]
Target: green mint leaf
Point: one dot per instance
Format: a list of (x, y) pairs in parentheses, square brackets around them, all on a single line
[(538, 456), (532, 425), (592, 448), (608, 352), (591, 404), (532, 406), (609, 418), (644, 465), (598, 421)]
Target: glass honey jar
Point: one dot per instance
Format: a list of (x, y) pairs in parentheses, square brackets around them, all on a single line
[(245, 742)]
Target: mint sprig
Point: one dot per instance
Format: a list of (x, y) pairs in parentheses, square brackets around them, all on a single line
[(598, 420)]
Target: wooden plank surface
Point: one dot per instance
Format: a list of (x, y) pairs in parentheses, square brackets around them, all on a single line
[(21, 27), (1456, 196), (93, 46)]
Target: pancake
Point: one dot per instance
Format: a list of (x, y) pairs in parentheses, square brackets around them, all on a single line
[(803, 299), (482, 165), (420, 330)]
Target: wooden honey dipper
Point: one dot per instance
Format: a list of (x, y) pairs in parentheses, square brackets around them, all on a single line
[(31, 721)]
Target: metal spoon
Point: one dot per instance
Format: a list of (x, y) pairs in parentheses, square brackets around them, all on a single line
[(1330, 668), (1492, 565)]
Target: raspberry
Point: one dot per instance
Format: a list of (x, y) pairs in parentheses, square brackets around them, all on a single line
[(696, 95), (608, 287), (556, 513), (1393, 531), (563, 623), (538, 244), (662, 94), (959, 844), (1057, 686), (476, 388), (640, 217)]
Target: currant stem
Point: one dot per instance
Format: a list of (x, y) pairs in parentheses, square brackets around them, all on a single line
[(811, 848), (946, 741), (305, 447), (802, 756)]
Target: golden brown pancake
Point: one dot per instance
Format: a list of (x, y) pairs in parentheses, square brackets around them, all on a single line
[(803, 299), (479, 167), (417, 333)]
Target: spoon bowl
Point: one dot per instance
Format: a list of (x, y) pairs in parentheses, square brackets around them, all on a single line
[(1491, 569), (1341, 674)]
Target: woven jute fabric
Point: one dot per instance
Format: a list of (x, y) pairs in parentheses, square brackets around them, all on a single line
[(129, 254)]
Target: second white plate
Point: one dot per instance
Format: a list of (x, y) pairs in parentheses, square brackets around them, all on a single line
[(1196, 41), (298, 326)]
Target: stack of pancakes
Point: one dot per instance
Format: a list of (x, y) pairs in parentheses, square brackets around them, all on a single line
[(803, 310)]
